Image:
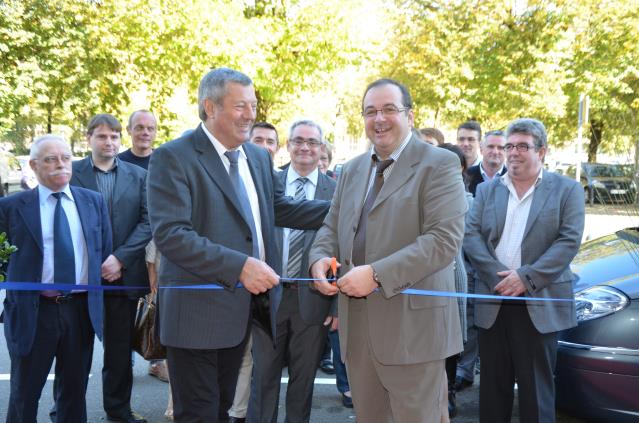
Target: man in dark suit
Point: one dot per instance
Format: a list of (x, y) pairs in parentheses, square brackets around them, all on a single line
[(123, 186), (63, 236), (492, 163), (396, 221), (302, 313), (214, 201), (521, 235)]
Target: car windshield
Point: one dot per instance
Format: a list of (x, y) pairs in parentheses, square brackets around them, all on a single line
[(609, 171)]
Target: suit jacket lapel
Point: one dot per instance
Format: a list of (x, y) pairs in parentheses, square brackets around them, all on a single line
[(83, 173), (539, 199), (123, 181), (501, 207), (30, 212), (401, 173), (84, 213), (210, 160), (359, 180)]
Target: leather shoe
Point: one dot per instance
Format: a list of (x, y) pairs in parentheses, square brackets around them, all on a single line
[(462, 383), (326, 366), (347, 401), (237, 419), (132, 417), (158, 369)]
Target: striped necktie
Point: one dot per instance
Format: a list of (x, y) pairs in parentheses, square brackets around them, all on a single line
[(296, 237)]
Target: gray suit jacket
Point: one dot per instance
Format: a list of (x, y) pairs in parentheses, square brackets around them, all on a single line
[(551, 239), (204, 238), (314, 307), (129, 218), (414, 230)]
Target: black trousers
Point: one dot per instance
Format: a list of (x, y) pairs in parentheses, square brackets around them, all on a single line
[(117, 370), (64, 332), (203, 382), (512, 350)]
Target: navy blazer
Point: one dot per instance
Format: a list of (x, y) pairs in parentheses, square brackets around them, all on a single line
[(20, 219), (129, 218)]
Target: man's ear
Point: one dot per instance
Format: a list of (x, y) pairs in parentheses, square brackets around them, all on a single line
[(209, 108)]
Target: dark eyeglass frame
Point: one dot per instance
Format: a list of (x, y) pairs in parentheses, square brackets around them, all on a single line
[(387, 110), (521, 147)]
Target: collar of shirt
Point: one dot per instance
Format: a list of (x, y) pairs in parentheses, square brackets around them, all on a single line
[(477, 161), (221, 149), (293, 175), (511, 187), (44, 193), (395, 154), (111, 169), (485, 176)]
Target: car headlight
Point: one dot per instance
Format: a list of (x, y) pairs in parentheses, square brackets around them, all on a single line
[(599, 301), (597, 184)]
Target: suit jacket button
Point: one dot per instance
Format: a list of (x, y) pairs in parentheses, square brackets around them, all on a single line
[(354, 228), (249, 238), (348, 262)]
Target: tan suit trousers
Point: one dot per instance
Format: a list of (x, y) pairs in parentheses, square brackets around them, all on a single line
[(415, 393)]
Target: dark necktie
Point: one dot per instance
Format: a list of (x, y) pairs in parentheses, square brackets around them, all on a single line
[(240, 190), (296, 237), (63, 256), (359, 243)]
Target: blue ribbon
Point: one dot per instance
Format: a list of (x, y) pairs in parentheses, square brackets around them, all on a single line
[(36, 286)]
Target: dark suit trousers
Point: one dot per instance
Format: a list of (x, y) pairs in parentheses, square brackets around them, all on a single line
[(299, 342), (64, 332), (512, 350), (203, 382), (117, 370)]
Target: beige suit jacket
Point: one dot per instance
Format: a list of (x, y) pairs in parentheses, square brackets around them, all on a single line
[(414, 229)]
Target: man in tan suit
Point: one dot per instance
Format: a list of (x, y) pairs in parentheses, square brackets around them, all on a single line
[(396, 222)]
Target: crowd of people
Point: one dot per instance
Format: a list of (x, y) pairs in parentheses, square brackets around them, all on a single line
[(304, 262)]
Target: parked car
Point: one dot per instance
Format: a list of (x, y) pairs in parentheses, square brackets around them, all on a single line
[(10, 173), (597, 373), (606, 183)]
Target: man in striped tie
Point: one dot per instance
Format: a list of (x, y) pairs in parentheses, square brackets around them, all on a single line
[(301, 316)]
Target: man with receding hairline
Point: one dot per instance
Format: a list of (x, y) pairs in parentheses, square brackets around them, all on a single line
[(142, 129), (63, 236), (396, 222)]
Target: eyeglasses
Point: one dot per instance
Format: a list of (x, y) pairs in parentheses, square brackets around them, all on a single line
[(54, 159), (311, 142), (522, 148), (389, 110)]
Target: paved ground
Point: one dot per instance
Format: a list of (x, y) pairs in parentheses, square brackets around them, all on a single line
[(149, 394)]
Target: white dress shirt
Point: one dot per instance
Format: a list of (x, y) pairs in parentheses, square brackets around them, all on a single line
[(47, 209), (485, 176), (291, 186), (245, 174), (508, 249)]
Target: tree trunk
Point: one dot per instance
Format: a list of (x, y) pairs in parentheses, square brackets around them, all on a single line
[(49, 119), (596, 129)]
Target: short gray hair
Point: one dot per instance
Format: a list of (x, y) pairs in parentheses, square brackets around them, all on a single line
[(529, 126), (37, 144), (306, 122), (213, 87)]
